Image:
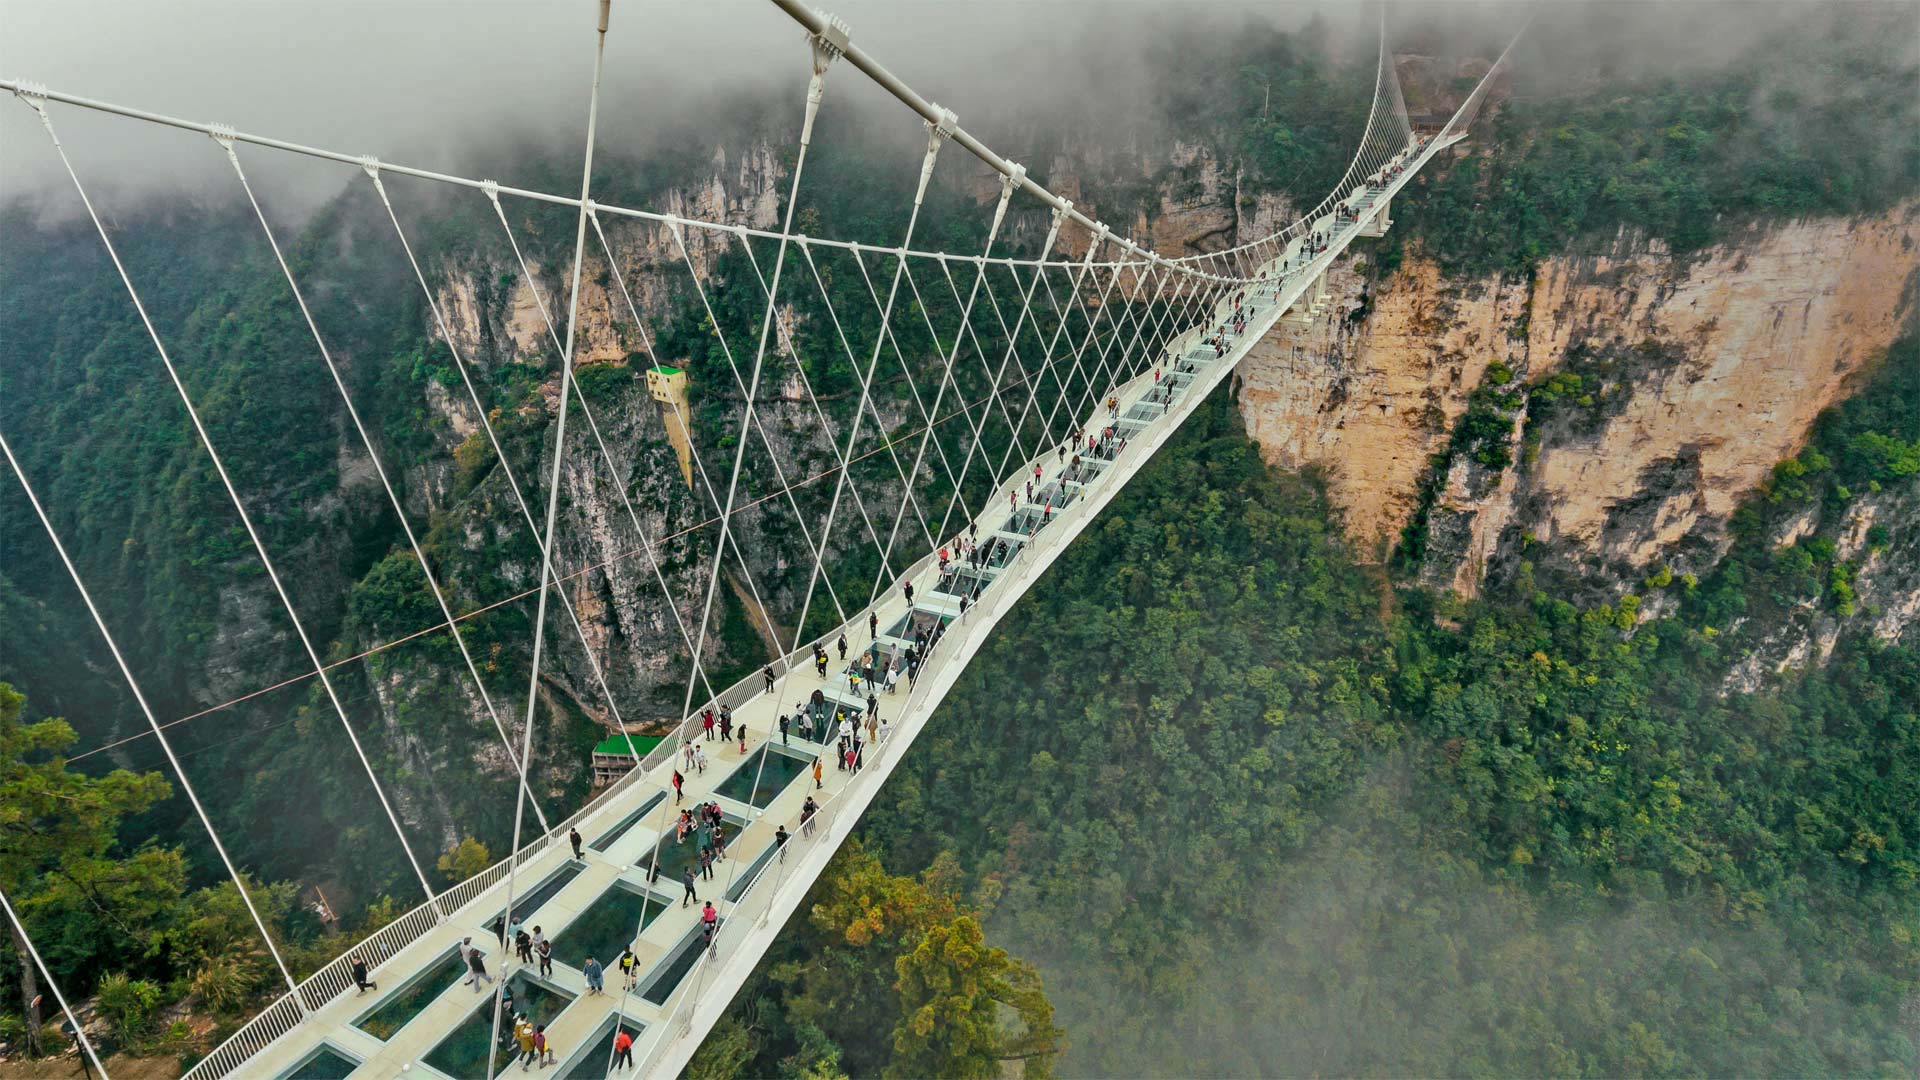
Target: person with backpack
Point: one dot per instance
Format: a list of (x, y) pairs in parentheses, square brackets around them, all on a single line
[(523, 1034), (629, 967), (541, 1047)]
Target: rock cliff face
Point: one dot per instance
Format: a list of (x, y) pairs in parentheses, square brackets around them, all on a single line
[(1694, 377), (636, 597)]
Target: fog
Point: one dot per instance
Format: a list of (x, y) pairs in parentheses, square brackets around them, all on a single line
[(451, 86), (467, 86)]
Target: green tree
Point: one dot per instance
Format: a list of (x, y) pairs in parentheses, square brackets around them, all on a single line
[(956, 993), (464, 859), (58, 850)]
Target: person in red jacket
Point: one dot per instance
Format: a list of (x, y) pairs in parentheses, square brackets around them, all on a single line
[(622, 1050)]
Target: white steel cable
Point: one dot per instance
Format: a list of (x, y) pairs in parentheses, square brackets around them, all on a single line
[(866, 395), (824, 53), (79, 1032), (887, 337), (1013, 341), (593, 426), (806, 385), (751, 417), (139, 696), (646, 547), (380, 470), (239, 506), (993, 233), (553, 514)]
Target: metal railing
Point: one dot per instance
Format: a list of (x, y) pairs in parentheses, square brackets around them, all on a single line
[(753, 908)]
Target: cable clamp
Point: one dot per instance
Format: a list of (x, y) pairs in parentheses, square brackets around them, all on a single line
[(491, 189), (944, 127), (830, 43), (370, 165), (35, 95), (1015, 175), (223, 135)]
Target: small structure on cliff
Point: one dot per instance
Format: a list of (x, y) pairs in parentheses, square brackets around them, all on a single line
[(614, 757), (668, 385)]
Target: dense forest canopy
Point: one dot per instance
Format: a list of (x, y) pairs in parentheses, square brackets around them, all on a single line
[(1255, 807)]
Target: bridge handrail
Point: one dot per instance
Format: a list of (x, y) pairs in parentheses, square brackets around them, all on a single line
[(755, 902), (335, 977)]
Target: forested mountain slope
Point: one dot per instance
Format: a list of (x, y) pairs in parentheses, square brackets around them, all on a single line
[(1472, 763)]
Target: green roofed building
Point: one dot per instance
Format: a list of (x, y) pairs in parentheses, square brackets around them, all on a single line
[(614, 757)]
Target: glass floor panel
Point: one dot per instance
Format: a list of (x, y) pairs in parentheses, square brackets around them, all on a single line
[(591, 1060), (825, 714), (527, 903), (1061, 497), (612, 836), (405, 1003), (674, 856), (963, 582), (667, 976), (608, 925), (916, 621), (1002, 552), (1086, 473), (763, 776), (745, 877), (464, 1053), (325, 1063)]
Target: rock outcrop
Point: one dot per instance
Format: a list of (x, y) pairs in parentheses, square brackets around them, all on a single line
[(1696, 376)]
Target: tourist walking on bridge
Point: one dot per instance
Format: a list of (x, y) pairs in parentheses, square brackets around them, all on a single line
[(629, 967), (596, 976), (360, 975), (686, 879), (622, 1050), (809, 808), (476, 966), (766, 675), (573, 837)]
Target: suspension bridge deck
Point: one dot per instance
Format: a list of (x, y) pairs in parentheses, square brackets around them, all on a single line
[(423, 1019)]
